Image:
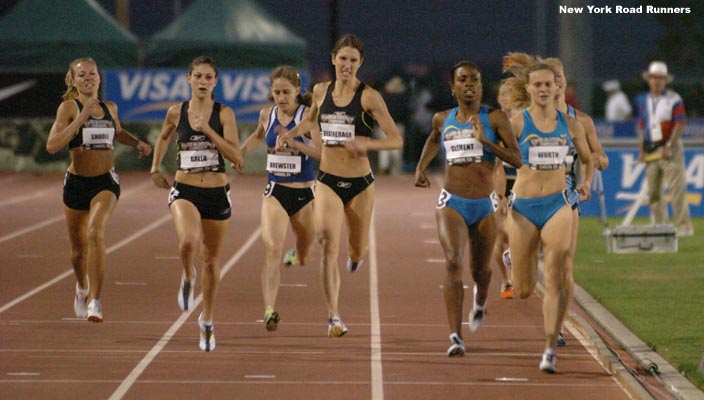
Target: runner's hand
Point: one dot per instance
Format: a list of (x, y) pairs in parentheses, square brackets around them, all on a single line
[(238, 165), (422, 180), (357, 149), (160, 180), (143, 149), (281, 138), (585, 192)]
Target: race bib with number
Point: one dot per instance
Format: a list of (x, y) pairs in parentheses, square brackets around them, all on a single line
[(283, 164), (462, 148), (334, 134), (199, 160), (547, 153), (98, 138)]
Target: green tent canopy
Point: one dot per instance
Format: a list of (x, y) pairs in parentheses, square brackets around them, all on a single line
[(45, 36), (236, 33)]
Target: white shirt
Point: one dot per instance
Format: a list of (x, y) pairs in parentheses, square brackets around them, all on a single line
[(617, 108)]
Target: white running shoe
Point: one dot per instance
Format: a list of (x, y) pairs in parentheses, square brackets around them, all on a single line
[(477, 315), (476, 319), (207, 335), (185, 292), (336, 328), (94, 312), (354, 266), (456, 348), (547, 364), (80, 302)]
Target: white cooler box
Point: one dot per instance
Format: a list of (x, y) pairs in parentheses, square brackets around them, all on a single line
[(642, 239)]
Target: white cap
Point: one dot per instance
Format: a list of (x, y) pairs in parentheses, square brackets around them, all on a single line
[(611, 85), (658, 68)]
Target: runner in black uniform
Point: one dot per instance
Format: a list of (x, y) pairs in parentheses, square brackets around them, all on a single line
[(200, 197), (89, 126), (345, 109)]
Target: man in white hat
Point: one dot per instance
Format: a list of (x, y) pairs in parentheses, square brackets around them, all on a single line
[(617, 107), (661, 120)]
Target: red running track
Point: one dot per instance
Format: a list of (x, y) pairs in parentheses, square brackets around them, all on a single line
[(148, 349)]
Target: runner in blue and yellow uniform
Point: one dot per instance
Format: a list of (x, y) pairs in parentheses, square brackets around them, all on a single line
[(345, 109), (472, 137), (199, 199), (288, 197), (89, 126), (572, 167), (540, 212)]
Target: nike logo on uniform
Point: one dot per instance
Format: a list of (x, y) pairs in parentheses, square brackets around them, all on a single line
[(7, 92)]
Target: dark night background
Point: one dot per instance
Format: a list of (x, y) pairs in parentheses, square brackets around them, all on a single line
[(442, 32), (425, 38)]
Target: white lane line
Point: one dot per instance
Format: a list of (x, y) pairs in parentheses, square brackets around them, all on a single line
[(69, 272), (465, 287), (57, 218), (293, 285), (23, 374), (377, 373), (260, 376), (431, 241), (159, 346), (21, 198), (435, 260), (510, 379), (31, 228), (131, 283)]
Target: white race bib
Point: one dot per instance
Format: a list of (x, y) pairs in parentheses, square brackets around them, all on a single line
[(464, 150), (547, 156), (283, 164), (199, 160), (334, 134), (98, 138)]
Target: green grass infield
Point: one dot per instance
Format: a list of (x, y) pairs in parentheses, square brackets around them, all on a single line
[(659, 297)]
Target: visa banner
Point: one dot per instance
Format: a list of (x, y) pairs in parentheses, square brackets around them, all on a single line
[(146, 94), (625, 175), (613, 130)]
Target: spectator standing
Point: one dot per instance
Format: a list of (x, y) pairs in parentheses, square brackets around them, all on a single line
[(617, 107), (661, 120)]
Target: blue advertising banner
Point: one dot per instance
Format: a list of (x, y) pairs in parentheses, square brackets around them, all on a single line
[(694, 129), (625, 175), (146, 94)]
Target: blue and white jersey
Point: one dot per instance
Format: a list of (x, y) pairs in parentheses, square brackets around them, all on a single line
[(459, 142), (287, 165), (544, 150)]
